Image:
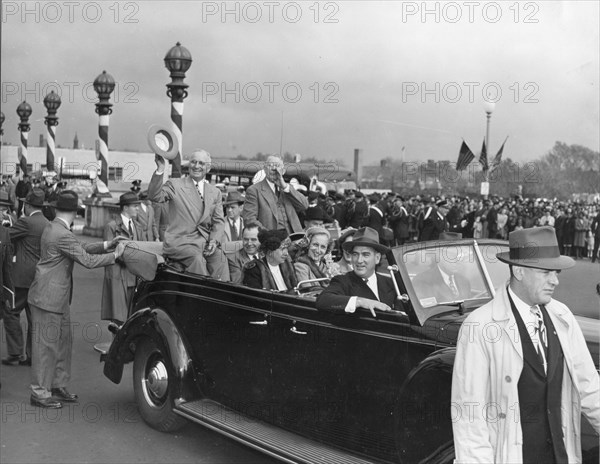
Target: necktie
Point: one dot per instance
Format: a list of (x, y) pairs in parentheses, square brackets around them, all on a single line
[(542, 337), (373, 289), (130, 230), (277, 191), (199, 190), (452, 285), (236, 234)]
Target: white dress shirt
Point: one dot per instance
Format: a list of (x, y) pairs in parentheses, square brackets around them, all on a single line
[(200, 187), (276, 272), (372, 284), (529, 319), (126, 222)]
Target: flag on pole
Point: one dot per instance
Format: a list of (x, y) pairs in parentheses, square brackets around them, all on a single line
[(465, 156), (498, 156), (483, 157)]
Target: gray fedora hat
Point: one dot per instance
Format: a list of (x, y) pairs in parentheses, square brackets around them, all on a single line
[(535, 247)]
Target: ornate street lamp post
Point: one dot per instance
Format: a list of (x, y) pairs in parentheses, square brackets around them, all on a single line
[(488, 107), (51, 102), (177, 60), (1, 134), (24, 111), (104, 84)]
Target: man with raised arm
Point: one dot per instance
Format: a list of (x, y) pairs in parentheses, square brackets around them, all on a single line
[(196, 217)]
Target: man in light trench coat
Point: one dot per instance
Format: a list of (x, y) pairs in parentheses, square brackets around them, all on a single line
[(523, 374)]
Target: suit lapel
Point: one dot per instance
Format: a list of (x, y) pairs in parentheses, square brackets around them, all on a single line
[(530, 354), (365, 289), (194, 203), (269, 196), (138, 231), (503, 315), (120, 228), (554, 347), (386, 290), (209, 199)]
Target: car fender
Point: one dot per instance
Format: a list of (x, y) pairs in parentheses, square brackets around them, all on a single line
[(423, 410), (156, 324)]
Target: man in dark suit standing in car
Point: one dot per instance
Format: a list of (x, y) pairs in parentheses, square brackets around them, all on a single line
[(26, 236), (362, 287)]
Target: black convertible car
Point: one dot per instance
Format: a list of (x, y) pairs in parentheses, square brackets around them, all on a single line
[(269, 370)]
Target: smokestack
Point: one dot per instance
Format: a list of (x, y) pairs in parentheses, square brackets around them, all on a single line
[(356, 151)]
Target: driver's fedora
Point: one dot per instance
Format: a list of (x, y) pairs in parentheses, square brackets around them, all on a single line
[(366, 237), (535, 247)]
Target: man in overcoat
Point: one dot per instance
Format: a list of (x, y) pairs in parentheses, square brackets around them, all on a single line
[(146, 218), (119, 282), (523, 373)]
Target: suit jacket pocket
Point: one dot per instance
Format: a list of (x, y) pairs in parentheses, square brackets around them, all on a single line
[(58, 294)]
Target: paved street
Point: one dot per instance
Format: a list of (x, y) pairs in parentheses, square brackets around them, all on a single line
[(105, 426)]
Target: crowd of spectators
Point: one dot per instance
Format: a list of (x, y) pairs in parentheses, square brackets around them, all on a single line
[(403, 220)]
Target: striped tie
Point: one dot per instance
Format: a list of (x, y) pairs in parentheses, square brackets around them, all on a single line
[(542, 336)]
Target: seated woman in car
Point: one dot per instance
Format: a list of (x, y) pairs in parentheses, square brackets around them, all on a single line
[(274, 271), (313, 261)]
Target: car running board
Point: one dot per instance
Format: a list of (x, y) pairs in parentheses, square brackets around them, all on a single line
[(274, 441)]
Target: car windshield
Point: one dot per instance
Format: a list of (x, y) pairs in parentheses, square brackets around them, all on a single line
[(497, 270), (445, 273)]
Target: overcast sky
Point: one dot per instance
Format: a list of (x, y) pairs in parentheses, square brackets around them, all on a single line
[(372, 75)]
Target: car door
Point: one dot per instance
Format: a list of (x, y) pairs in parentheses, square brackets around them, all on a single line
[(227, 327), (337, 378)]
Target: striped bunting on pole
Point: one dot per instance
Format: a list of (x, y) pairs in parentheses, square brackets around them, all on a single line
[(50, 147), (103, 145), (177, 126), (23, 152)]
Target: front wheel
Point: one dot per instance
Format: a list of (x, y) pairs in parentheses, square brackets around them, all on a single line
[(153, 387)]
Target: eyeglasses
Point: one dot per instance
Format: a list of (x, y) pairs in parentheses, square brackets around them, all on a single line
[(273, 165), (199, 163)]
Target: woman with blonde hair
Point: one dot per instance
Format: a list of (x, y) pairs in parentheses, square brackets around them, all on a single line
[(313, 262)]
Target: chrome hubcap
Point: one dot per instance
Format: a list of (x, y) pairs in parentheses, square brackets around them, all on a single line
[(156, 382)]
